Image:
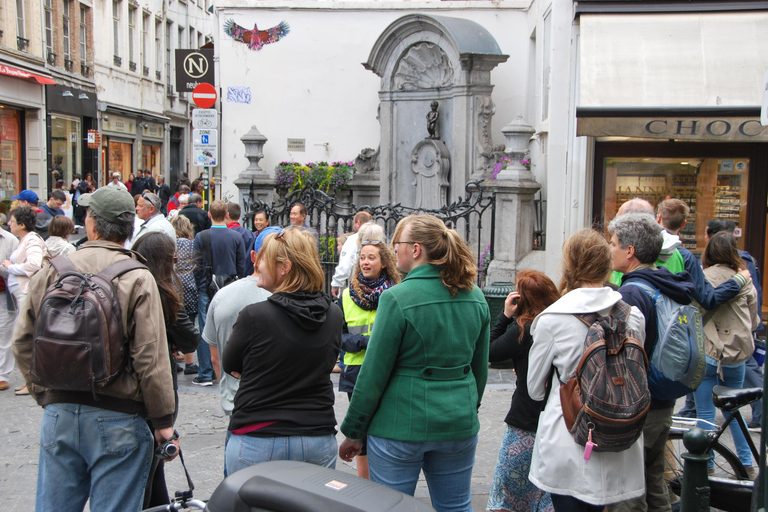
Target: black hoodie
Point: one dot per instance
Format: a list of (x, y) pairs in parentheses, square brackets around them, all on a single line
[(285, 349), (678, 287)]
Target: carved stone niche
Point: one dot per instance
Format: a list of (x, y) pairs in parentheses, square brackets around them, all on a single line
[(431, 163), (424, 66)]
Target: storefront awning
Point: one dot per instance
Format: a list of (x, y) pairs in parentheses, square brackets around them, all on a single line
[(714, 59), (20, 73)]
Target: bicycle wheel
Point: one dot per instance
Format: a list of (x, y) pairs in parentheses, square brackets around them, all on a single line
[(730, 489)]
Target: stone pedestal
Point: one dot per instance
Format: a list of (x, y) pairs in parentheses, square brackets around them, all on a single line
[(254, 180), (515, 214)]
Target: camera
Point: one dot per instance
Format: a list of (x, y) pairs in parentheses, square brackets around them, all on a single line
[(167, 449)]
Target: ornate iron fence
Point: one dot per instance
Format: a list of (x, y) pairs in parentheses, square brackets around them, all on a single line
[(329, 218)]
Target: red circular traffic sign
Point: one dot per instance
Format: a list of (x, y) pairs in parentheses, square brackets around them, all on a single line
[(204, 95)]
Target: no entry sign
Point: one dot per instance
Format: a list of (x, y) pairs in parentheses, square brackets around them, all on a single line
[(204, 95)]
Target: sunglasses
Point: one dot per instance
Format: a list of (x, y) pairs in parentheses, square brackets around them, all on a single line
[(371, 242), (281, 235)]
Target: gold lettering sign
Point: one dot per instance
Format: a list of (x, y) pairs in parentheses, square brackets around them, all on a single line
[(721, 129)]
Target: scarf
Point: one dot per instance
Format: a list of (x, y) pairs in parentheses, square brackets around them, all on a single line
[(370, 291)]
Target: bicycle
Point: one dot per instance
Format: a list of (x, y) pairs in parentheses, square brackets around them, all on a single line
[(730, 487)]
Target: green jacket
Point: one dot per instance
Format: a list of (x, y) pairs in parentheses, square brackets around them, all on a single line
[(426, 366)]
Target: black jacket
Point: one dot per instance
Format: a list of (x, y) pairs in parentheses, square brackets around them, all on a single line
[(197, 216), (678, 287), (506, 344), (285, 349)]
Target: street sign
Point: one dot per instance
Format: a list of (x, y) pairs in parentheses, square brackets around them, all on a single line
[(205, 147), (193, 67), (204, 95), (205, 118)]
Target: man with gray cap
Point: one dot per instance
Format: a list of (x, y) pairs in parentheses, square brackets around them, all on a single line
[(148, 210), (111, 469)]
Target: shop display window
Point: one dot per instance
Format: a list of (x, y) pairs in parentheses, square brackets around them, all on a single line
[(66, 137), (150, 158), (119, 157), (714, 188), (11, 153)]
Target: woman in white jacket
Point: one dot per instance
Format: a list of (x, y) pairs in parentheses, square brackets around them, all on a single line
[(558, 464)]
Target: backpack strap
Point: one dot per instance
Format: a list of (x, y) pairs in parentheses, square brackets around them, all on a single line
[(652, 292), (62, 265), (120, 267)]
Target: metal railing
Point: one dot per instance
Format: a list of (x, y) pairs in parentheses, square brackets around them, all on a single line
[(117, 60), (22, 44), (69, 64), (329, 218)]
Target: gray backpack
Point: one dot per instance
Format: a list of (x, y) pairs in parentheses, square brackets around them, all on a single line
[(678, 362)]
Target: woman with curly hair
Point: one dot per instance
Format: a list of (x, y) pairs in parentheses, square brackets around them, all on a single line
[(511, 339), (375, 271)]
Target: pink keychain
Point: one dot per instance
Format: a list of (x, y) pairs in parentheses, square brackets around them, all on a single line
[(588, 446)]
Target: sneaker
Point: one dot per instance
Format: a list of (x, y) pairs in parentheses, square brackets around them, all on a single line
[(710, 471), (191, 369), (686, 413), (179, 368), (754, 427), (200, 382), (751, 472)]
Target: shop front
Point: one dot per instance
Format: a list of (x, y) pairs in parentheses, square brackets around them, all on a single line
[(151, 147), (71, 113), (119, 138), (22, 128), (670, 106)]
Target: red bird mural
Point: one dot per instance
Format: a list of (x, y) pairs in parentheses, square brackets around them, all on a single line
[(255, 38)]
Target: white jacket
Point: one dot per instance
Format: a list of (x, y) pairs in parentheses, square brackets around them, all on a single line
[(347, 261), (558, 464)]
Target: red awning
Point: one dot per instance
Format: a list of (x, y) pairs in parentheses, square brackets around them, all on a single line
[(18, 73)]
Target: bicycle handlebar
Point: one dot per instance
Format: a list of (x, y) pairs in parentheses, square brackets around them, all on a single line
[(177, 505)]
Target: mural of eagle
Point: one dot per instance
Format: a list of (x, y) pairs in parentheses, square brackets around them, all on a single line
[(255, 38)]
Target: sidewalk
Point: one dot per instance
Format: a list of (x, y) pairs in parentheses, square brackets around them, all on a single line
[(202, 426)]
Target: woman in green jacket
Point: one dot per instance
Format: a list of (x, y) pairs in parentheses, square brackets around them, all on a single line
[(425, 369)]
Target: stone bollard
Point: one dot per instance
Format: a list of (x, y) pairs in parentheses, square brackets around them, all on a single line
[(695, 493)]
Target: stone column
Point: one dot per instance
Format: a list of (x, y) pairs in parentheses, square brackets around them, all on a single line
[(254, 177), (515, 215)]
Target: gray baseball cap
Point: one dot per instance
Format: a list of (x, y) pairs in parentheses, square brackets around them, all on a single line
[(108, 203)]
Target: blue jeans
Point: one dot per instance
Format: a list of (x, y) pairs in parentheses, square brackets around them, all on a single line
[(85, 451), (447, 467), (205, 368), (753, 378), (245, 451), (733, 377)]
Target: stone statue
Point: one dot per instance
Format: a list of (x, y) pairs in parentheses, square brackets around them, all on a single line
[(432, 118)]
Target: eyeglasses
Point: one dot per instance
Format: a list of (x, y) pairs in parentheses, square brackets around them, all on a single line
[(370, 242), (404, 243)]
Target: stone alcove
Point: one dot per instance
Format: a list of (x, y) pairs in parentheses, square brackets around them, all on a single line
[(422, 58)]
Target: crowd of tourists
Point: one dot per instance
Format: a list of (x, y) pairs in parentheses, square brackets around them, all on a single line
[(405, 324)]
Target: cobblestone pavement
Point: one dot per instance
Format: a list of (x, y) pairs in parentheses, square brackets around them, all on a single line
[(202, 426)]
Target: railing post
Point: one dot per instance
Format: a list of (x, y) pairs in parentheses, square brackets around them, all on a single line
[(695, 493)]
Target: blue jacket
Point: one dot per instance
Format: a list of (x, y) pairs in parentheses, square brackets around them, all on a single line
[(678, 287), (227, 253), (705, 294)]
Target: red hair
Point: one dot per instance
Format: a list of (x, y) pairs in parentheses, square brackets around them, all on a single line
[(537, 293)]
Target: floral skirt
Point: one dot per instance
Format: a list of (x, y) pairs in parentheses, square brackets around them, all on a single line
[(511, 489)]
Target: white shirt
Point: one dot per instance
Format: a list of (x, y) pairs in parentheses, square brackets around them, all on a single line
[(347, 261), (119, 185), (155, 223)]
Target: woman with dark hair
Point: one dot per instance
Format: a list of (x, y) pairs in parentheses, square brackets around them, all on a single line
[(375, 272), (184, 267), (511, 339), (425, 369), (159, 252), (558, 463), (728, 341), (283, 350)]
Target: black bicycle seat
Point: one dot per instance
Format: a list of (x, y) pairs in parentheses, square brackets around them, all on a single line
[(730, 399)]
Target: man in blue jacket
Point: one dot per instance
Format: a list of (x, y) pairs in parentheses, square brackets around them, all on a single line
[(636, 241)]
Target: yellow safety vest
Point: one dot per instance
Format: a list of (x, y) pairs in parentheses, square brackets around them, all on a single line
[(359, 321)]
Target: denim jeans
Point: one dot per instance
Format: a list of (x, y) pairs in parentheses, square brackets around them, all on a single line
[(447, 468), (245, 451), (205, 368), (733, 377), (85, 451), (753, 378)]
